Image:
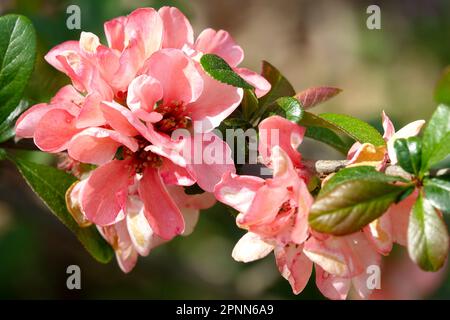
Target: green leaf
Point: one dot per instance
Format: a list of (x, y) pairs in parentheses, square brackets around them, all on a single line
[(280, 85), (427, 236), (409, 154), (291, 108), (51, 184), (7, 127), (362, 173), (328, 137), (236, 123), (219, 70), (313, 96), (352, 127), (17, 57), (436, 138), (437, 192), (351, 205), (249, 104), (442, 91), (2, 154), (355, 128)]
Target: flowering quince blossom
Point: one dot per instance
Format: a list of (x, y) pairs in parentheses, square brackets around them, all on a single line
[(125, 103), (391, 227), (275, 212)]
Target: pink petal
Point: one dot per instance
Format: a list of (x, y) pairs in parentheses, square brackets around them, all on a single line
[(68, 96), (117, 116), (175, 175), (180, 80), (220, 43), (216, 160), (98, 145), (216, 103), (103, 197), (251, 248), (388, 127), (277, 131), (143, 93), (126, 255), (27, 122), (115, 32), (91, 114), (261, 85), (161, 211), (300, 232), (379, 233), (59, 50), (54, 131), (332, 287), (177, 29), (294, 266), (237, 191), (399, 214)]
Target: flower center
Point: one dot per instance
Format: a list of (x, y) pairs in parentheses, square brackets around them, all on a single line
[(173, 117), (142, 159)]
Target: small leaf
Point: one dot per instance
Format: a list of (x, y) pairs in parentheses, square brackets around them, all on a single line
[(362, 173), (409, 154), (219, 70), (436, 138), (280, 85), (313, 96), (352, 127), (51, 184), (352, 205), (17, 56), (249, 104), (328, 137), (437, 192), (236, 123), (428, 241), (7, 127), (291, 108), (442, 91)]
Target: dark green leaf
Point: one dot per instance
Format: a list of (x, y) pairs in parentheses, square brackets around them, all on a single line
[(436, 138), (219, 70), (2, 154), (437, 192), (442, 91), (291, 108), (351, 205), (427, 236), (328, 137), (17, 56), (352, 127), (363, 173), (236, 123), (249, 104), (51, 184), (409, 154), (280, 85), (7, 127), (313, 96)]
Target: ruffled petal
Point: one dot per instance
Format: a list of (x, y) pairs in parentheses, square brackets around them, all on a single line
[(177, 28), (251, 248)]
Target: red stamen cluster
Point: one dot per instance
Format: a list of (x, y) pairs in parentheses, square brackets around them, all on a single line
[(142, 159), (174, 117)]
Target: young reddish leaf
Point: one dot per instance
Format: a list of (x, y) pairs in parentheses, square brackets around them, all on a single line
[(314, 96)]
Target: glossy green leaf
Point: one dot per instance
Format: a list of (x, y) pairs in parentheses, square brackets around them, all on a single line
[(313, 96), (436, 138), (51, 184), (428, 241), (409, 154), (437, 192), (328, 137), (351, 205), (17, 57), (362, 173), (7, 127), (291, 108), (219, 70), (236, 123), (280, 85), (354, 128), (442, 91)]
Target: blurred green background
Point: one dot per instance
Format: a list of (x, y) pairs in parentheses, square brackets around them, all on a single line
[(313, 43)]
